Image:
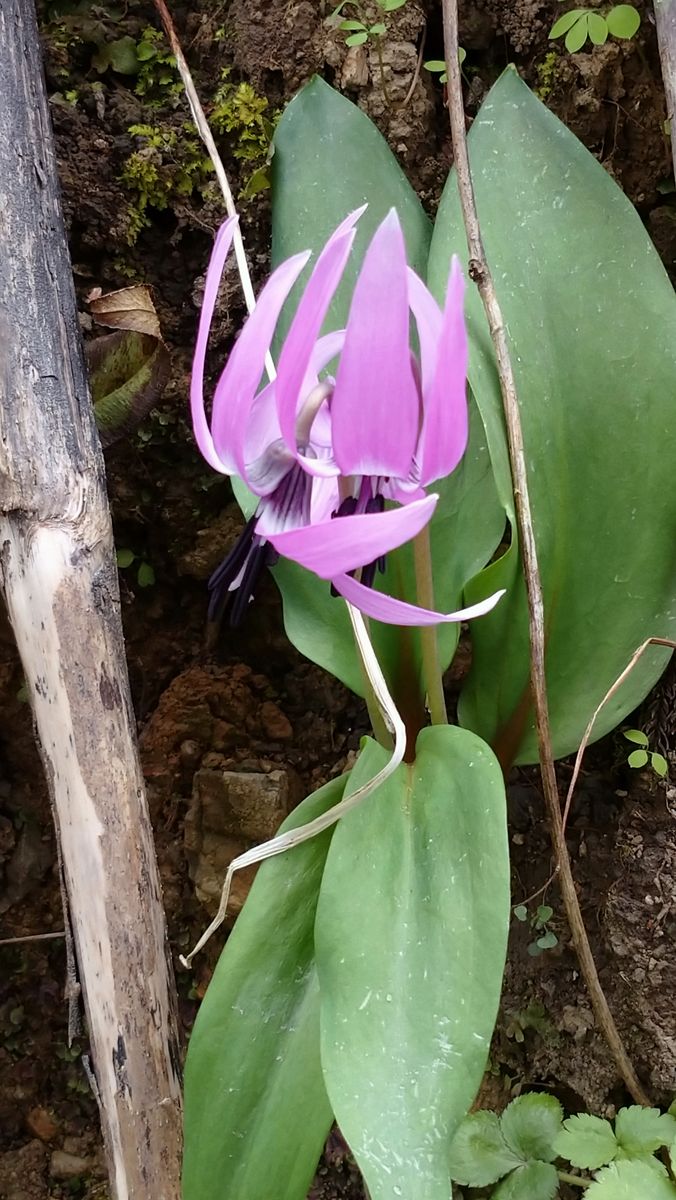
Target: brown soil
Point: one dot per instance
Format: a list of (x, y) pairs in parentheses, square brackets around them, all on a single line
[(252, 708)]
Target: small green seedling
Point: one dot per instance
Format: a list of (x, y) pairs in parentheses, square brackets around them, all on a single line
[(622, 21), (644, 755), (358, 29), (145, 575), (437, 66), (518, 1150), (546, 939)]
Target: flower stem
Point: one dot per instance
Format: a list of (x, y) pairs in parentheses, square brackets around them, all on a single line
[(575, 1180), (428, 634)]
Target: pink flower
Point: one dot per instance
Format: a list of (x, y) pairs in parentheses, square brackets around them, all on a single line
[(324, 454)]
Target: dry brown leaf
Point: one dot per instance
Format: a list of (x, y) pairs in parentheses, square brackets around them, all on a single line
[(128, 308)]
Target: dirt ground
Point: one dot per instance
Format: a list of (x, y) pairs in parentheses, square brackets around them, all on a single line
[(249, 704)]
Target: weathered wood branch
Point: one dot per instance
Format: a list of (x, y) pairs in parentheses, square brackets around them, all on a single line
[(58, 573), (665, 21)]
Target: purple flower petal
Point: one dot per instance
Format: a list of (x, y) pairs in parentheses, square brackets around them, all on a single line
[(376, 406), (305, 327), (396, 612), (200, 425), (429, 321), (445, 421), (236, 388), (347, 543)]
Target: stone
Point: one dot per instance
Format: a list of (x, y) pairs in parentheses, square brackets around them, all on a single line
[(68, 1166), (41, 1124), (275, 725)]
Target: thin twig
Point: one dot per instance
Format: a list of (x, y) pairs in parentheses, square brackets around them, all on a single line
[(32, 937), (480, 272), (416, 74), (202, 126)]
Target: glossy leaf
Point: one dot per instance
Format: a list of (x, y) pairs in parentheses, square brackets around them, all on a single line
[(586, 1141), (255, 1102), (128, 371), (410, 940), (590, 313)]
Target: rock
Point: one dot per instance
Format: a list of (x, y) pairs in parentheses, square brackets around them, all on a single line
[(68, 1166), (230, 811), (41, 1123), (23, 1171), (275, 725)]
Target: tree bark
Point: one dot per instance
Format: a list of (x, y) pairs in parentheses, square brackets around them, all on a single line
[(58, 573), (665, 21)]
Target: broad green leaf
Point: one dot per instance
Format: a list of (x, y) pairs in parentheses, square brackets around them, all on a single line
[(642, 1130), (598, 29), (479, 1153), (128, 371), (410, 940), (623, 21), (357, 39), (672, 1156), (590, 314), (577, 35), (125, 558), (145, 576), (533, 1181), (586, 1141), (638, 758), (255, 1104), (565, 22), (635, 735), (630, 1181), (530, 1125), (120, 55), (659, 763), (310, 196)]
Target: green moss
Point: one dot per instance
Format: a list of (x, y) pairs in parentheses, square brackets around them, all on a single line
[(547, 71), (239, 114), (169, 164)]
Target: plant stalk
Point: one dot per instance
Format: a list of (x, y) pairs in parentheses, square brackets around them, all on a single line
[(432, 679), (481, 274), (573, 1180)]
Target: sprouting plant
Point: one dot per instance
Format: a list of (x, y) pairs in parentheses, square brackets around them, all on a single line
[(622, 21), (437, 66), (359, 29), (517, 1151), (644, 755), (145, 574), (158, 77), (545, 938)]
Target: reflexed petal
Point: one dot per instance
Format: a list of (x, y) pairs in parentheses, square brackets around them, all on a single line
[(325, 499), (445, 421), (429, 320), (306, 324), (262, 427), (200, 425), (236, 388), (376, 406), (346, 543), (396, 612)]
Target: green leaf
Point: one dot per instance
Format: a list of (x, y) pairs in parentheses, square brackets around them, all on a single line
[(356, 39), (591, 314), (309, 199), (120, 55), (125, 558), (533, 1181), (598, 29), (378, 29), (479, 1154), (642, 1130), (672, 1156), (565, 22), (435, 65), (409, 995), (545, 912), (635, 735), (391, 5), (630, 1181), (352, 25), (638, 758), (659, 763), (548, 940), (145, 576), (521, 912), (623, 21), (530, 1125), (255, 1104), (577, 36), (586, 1141), (128, 372)]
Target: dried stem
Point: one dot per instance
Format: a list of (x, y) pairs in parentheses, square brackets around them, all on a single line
[(665, 24), (480, 272), (202, 127)]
